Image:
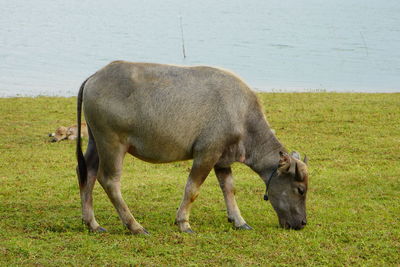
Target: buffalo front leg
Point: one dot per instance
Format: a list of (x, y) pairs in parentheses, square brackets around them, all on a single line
[(199, 172), (225, 180), (109, 175)]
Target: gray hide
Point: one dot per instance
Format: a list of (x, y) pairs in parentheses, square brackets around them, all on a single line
[(164, 113)]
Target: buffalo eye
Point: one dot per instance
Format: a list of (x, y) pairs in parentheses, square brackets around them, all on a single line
[(301, 191)]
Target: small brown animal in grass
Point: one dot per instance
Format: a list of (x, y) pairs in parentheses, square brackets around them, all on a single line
[(68, 133)]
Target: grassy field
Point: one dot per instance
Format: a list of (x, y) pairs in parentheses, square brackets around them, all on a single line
[(352, 141)]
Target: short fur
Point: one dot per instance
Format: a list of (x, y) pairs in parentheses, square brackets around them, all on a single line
[(68, 133), (164, 113)]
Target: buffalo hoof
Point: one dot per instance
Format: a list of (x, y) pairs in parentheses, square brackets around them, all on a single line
[(99, 230), (145, 232), (189, 231), (230, 220), (141, 231), (244, 227)]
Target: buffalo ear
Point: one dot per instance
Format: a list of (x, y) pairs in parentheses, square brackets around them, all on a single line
[(295, 155), (305, 160), (284, 161)]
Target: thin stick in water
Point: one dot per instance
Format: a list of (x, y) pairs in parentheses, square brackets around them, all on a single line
[(183, 40)]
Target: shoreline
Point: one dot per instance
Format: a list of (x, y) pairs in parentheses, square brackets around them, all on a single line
[(258, 91)]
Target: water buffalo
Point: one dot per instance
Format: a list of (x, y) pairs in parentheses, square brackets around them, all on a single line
[(165, 113)]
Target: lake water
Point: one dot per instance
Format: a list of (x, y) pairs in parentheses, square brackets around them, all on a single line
[(48, 47)]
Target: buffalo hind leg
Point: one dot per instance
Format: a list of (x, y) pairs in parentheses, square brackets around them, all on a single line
[(225, 180), (199, 172), (109, 175), (92, 164)]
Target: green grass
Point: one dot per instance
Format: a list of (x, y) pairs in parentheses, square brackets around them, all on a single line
[(352, 141)]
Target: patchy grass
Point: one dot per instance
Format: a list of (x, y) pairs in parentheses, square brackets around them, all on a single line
[(352, 141)]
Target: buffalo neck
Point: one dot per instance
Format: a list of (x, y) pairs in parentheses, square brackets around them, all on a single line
[(262, 150)]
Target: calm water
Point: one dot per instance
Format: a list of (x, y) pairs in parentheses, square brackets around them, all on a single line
[(50, 46)]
